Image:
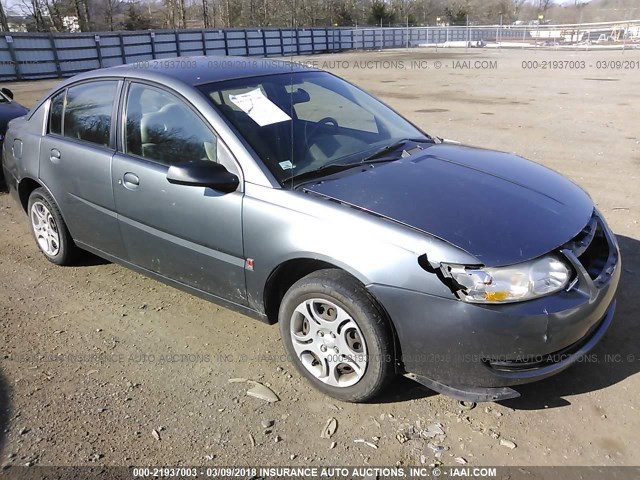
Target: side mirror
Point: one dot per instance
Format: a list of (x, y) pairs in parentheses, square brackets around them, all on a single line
[(8, 93), (203, 173)]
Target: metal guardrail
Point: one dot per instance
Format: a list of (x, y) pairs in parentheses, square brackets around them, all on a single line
[(25, 56)]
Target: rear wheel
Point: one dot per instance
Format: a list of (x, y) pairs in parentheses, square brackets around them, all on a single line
[(336, 336), (49, 229)]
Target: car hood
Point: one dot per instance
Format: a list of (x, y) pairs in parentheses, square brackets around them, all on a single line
[(499, 207)]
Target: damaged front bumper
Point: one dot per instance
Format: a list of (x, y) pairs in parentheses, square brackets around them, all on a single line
[(475, 352), (536, 368)]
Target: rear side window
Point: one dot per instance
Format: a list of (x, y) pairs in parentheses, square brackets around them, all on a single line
[(88, 110), (55, 113)]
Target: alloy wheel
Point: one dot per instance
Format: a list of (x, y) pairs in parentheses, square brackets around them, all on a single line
[(328, 342), (45, 229)]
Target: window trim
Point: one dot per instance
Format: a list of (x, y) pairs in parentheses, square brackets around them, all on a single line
[(48, 113), (114, 111), (122, 118)]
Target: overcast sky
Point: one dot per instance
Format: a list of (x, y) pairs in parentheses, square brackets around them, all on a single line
[(10, 3)]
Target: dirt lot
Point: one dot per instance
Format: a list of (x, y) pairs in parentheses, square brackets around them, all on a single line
[(94, 358)]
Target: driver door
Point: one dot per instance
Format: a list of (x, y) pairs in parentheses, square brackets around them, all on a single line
[(192, 235)]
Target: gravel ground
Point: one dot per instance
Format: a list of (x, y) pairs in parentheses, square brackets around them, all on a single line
[(96, 358)]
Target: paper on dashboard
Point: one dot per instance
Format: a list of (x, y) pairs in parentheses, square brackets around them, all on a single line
[(261, 110)]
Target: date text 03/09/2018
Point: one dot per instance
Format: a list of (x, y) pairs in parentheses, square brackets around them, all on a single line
[(311, 472)]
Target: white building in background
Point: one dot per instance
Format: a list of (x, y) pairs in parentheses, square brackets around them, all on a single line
[(71, 24), (17, 23)]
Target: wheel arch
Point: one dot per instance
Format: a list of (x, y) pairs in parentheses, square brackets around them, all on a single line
[(290, 271), (283, 277), (25, 187)]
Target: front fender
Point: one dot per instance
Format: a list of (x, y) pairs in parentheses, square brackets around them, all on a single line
[(282, 225)]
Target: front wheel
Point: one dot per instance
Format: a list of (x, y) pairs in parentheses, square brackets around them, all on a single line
[(337, 336)]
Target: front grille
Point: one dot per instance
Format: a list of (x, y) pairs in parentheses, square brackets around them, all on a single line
[(591, 247), (594, 258)]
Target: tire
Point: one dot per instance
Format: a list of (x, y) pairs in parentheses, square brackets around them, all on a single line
[(48, 228), (337, 336)]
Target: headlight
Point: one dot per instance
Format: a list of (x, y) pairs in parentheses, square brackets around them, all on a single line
[(515, 283)]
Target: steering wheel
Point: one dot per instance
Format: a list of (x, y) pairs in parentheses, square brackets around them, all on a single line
[(323, 122), (306, 160)]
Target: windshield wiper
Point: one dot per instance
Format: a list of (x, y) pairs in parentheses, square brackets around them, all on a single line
[(321, 172), (374, 157), (391, 147)]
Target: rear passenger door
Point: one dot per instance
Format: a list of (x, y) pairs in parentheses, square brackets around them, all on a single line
[(75, 161), (192, 235)]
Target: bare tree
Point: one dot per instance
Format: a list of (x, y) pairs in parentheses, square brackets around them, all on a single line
[(213, 13), (227, 14), (205, 14), (111, 14), (403, 9), (53, 7), (80, 7), (108, 14), (170, 13), (544, 5), (427, 11), (4, 25), (231, 13), (36, 14), (87, 15), (517, 8), (182, 14)]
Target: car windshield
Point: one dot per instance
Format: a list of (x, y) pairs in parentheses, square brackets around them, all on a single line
[(301, 122)]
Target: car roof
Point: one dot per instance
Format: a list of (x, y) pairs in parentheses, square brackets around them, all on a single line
[(201, 70), (191, 71)]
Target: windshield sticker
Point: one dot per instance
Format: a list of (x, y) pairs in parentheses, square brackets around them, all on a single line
[(286, 165), (261, 110)]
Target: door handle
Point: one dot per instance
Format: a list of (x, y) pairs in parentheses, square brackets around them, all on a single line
[(131, 180), (54, 155)]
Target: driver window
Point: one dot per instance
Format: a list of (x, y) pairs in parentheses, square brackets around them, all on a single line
[(326, 103), (161, 127)]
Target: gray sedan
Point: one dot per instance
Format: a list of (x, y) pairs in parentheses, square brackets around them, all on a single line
[(291, 196)]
